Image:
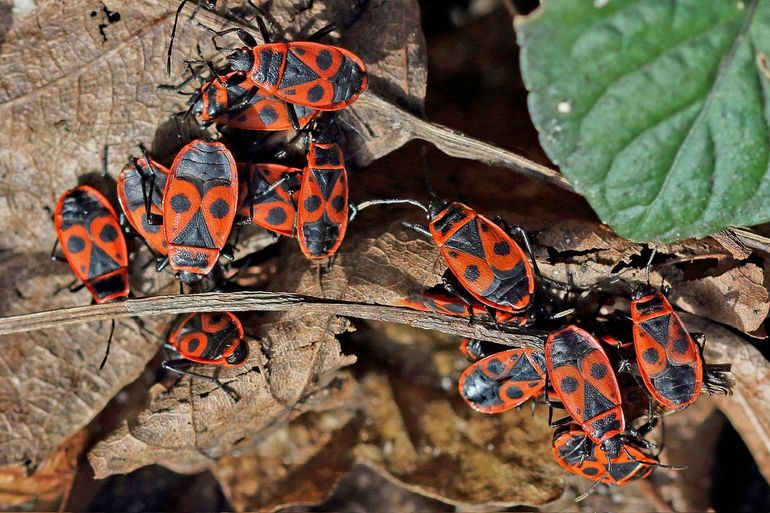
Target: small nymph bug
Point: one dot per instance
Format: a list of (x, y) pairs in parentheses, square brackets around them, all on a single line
[(199, 205), (503, 380), (92, 242), (670, 361), (134, 183)]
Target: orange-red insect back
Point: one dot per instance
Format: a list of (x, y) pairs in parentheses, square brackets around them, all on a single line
[(199, 206), (93, 243), (211, 338), (318, 76), (322, 203), (582, 377), (487, 262)]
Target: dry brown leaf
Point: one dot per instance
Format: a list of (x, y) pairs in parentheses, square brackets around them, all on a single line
[(75, 77), (419, 432), (194, 423), (749, 407), (297, 464), (736, 297), (49, 481)]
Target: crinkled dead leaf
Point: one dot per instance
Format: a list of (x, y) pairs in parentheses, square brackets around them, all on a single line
[(194, 423), (297, 464), (79, 76), (419, 432), (49, 481), (736, 297)]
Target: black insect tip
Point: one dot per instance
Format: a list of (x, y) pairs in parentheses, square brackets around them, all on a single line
[(188, 277), (240, 354)]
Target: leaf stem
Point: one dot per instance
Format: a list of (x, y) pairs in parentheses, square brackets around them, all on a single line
[(269, 302)]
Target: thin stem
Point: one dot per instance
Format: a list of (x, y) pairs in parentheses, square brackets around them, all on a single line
[(269, 302)]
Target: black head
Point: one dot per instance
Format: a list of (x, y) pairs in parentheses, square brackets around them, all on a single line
[(436, 206), (613, 446), (188, 277), (325, 131), (240, 354), (640, 290), (241, 60)]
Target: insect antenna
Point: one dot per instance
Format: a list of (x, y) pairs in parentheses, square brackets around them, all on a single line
[(393, 201), (109, 343), (590, 491), (173, 34)]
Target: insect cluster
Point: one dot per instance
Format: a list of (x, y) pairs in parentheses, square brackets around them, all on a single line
[(188, 214)]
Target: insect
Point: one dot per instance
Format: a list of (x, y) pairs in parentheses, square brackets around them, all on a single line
[(504, 380), (93, 246), (315, 75), (322, 204), (582, 377), (234, 100), (199, 205), (448, 304), (576, 453), (275, 209), (669, 360), (134, 196), (93, 243), (210, 339)]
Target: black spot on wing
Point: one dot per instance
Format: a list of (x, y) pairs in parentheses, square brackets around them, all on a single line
[(569, 385), (180, 203), (312, 203), (324, 60), (651, 355), (268, 115), (219, 209), (590, 471), (276, 216), (108, 233), (315, 93), (76, 244)]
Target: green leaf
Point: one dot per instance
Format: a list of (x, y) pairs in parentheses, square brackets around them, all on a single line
[(656, 111)]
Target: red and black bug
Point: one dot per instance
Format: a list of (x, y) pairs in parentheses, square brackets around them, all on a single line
[(134, 180), (575, 452), (93, 243), (669, 360), (318, 76), (234, 100), (272, 208), (582, 377), (199, 205), (210, 338), (322, 203), (503, 380)]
